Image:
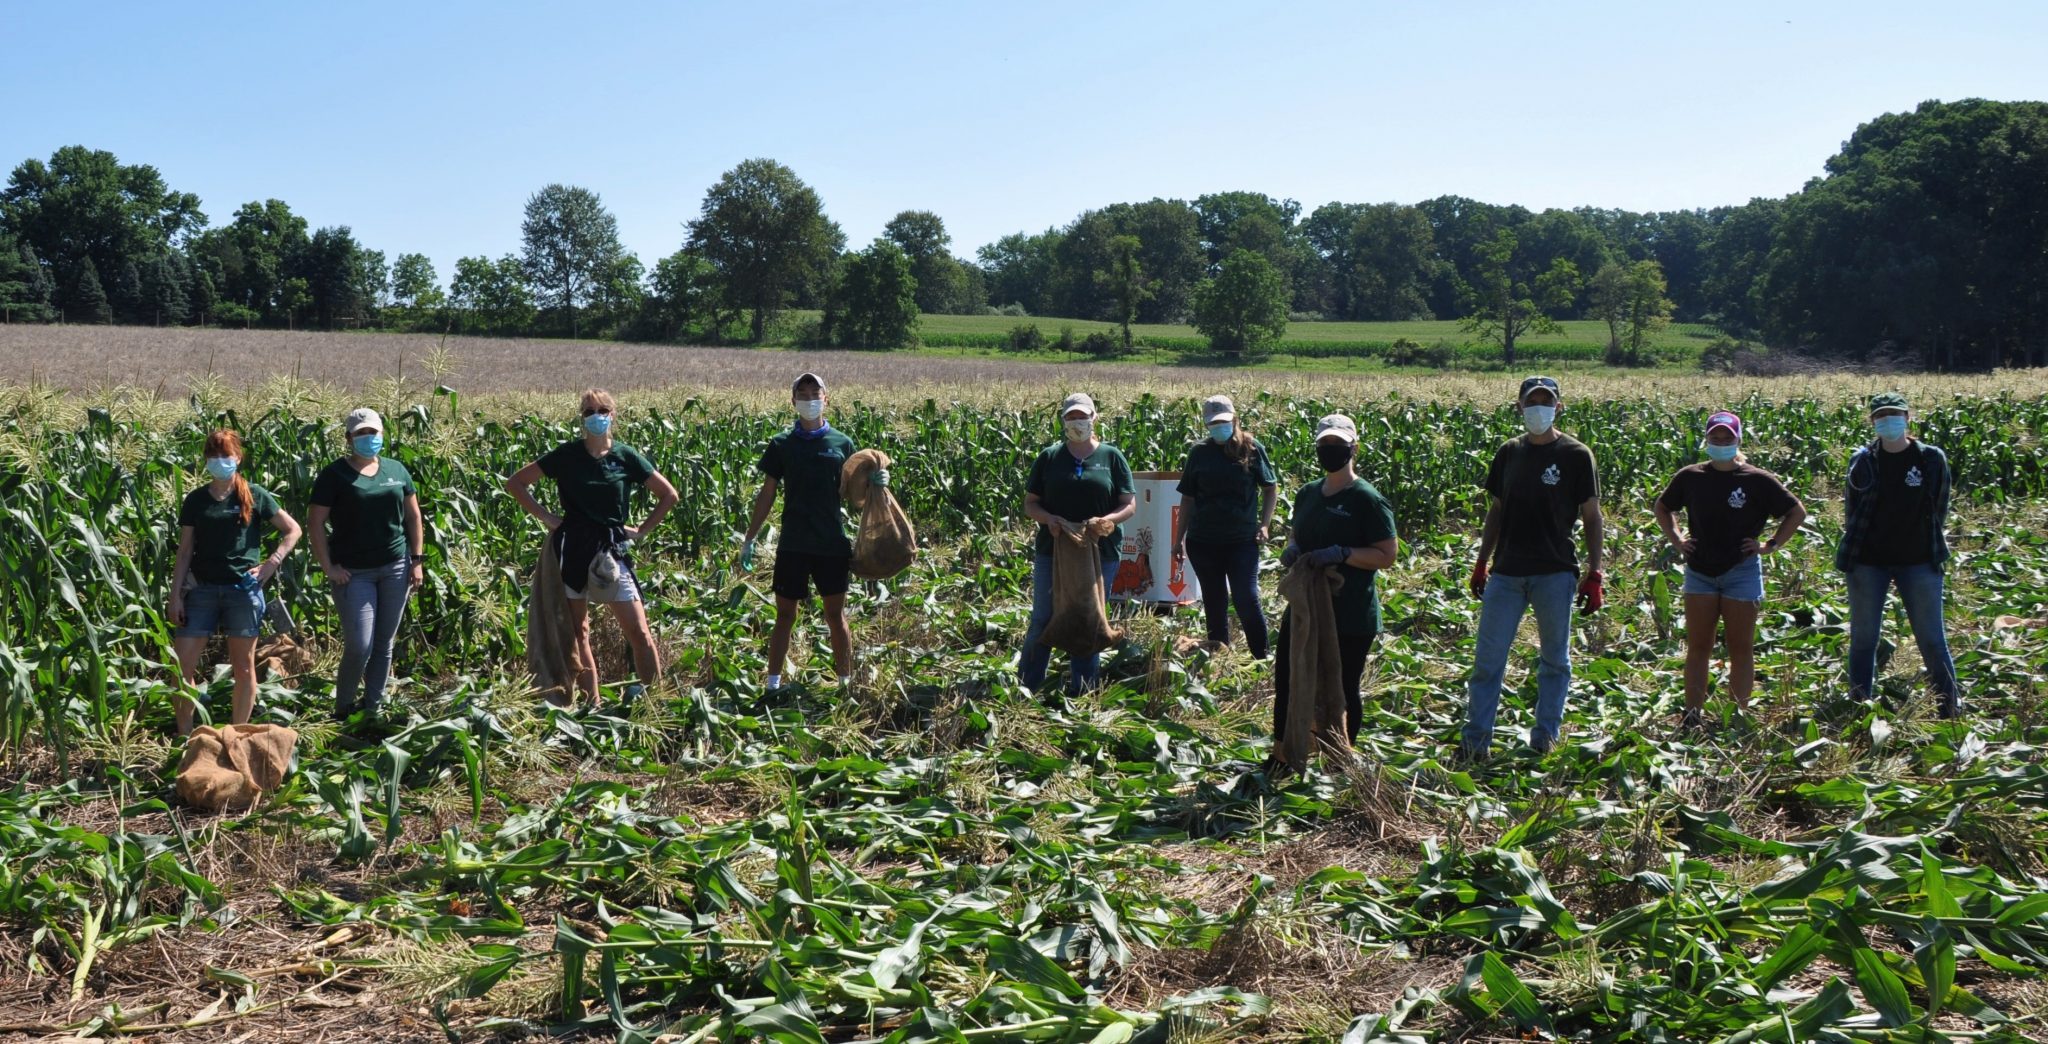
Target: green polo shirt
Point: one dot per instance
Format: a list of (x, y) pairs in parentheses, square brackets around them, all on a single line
[(596, 490), (1354, 517), (1078, 490), (1220, 496), (366, 513), (224, 548), (808, 471)]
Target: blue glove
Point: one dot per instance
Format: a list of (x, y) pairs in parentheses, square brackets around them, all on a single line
[(1322, 558), (747, 557), (1288, 555)]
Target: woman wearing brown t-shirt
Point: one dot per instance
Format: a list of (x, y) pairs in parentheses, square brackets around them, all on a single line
[(1727, 503)]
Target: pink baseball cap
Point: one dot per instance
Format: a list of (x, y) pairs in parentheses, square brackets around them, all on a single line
[(1725, 419)]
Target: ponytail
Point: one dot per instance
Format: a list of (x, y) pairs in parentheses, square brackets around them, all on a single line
[(1239, 448), (225, 443)]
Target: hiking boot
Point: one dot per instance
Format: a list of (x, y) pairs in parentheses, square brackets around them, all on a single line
[(1692, 722), (1541, 742), (1950, 707), (1467, 755)]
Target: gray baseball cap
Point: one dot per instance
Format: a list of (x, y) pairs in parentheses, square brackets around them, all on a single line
[(1218, 408), (1077, 401), (1339, 425), (359, 418), (806, 378)]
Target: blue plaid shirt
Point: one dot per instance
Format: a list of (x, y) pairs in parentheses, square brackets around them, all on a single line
[(1860, 503)]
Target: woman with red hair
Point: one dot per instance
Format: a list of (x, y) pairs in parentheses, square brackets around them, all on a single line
[(217, 584)]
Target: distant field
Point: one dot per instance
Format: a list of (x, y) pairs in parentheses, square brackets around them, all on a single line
[(936, 329)]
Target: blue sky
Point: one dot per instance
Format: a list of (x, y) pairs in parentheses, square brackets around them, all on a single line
[(425, 126)]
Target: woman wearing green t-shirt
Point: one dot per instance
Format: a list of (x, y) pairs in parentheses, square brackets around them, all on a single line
[(1228, 490), (1339, 520), (595, 476), (368, 537), (217, 583), (1074, 483)]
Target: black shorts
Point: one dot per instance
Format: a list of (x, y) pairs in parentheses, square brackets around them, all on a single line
[(796, 572)]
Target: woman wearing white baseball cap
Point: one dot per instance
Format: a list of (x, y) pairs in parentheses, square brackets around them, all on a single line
[(1726, 503), (368, 537), (1227, 490), (1075, 483)]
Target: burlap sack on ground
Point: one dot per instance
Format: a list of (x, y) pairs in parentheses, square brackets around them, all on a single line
[(1315, 691), (280, 657), (550, 640), (885, 544), (1080, 624), (233, 767)]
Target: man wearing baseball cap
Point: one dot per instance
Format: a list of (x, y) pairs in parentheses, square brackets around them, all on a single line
[(804, 462), (1894, 533), (1726, 503), (1540, 486)]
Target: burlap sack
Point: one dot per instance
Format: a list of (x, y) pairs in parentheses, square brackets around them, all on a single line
[(233, 767), (280, 657), (550, 639), (1080, 624), (885, 545), (1315, 691)]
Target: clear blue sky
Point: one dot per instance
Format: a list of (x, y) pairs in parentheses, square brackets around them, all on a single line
[(424, 126)]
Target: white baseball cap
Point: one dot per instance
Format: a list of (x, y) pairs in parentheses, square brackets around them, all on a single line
[(359, 418), (1339, 425)]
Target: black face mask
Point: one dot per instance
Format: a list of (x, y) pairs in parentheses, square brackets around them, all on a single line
[(1334, 455)]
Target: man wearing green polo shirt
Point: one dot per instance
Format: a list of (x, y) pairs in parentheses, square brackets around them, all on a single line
[(804, 464)]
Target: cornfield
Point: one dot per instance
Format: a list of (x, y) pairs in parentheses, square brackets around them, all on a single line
[(933, 855)]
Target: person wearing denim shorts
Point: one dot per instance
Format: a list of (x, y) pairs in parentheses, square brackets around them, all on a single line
[(367, 536), (1895, 533), (1228, 491), (594, 479), (217, 583), (1540, 487), (1073, 483), (1727, 503)]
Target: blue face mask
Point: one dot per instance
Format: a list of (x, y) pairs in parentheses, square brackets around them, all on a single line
[(222, 468), (368, 445), (1538, 419), (598, 423), (1723, 453), (1222, 432), (1890, 429)]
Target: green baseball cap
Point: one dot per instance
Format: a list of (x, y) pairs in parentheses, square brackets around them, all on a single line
[(1887, 401)]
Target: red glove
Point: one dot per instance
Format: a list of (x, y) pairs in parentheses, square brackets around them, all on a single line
[(1591, 595), (1477, 584)]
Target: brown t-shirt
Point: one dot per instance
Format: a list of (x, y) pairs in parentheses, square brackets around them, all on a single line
[(1724, 508), (1541, 487)]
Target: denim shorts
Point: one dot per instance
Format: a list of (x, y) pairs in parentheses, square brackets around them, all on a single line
[(231, 609), (1744, 583)]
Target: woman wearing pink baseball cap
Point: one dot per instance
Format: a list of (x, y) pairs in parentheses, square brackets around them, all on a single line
[(1727, 503)]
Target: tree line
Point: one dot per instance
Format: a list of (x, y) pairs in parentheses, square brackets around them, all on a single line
[(1926, 239)]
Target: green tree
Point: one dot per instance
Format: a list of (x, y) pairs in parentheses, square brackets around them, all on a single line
[(165, 286), (1505, 306), (251, 256), (683, 294), (1648, 309), (942, 285), (130, 304), (876, 302), (24, 287), (1019, 269), (1125, 281), (88, 299), (493, 294), (1243, 310), (84, 204), (767, 234), (1607, 294), (342, 280), (414, 283), (571, 247)]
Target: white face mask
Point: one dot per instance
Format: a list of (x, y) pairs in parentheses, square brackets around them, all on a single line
[(1538, 419), (1080, 430), (810, 409)]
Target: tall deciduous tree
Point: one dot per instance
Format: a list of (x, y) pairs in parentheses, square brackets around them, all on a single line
[(1125, 281), (414, 283), (766, 232), (84, 204), (942, 287), (1507, 303), (492, 293), (250, 257), (571, 245), (876, 301), (1243, 310), (682, 297)]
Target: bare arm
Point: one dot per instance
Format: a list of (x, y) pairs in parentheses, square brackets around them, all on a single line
[(1035, 510), (288, 530), (1489, 533), (520, 485), (1788, 527), (1667, 520), (416, 538), (1596, 531), (664, 500), (763, 501), (1375, 556), (1126, 506)]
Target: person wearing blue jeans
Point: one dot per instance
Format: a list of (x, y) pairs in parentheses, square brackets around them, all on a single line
[(1077, 483), (1541, 486), (1036, 659), (1228, 490), (367, 535), (1894, 533)]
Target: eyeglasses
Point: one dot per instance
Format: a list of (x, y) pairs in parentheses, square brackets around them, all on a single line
[(606, 410)]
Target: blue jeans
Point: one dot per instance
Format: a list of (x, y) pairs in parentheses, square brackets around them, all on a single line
[(371, 605), (1920, 587), (1500, 614), (1229, 574), (1035, 658)]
